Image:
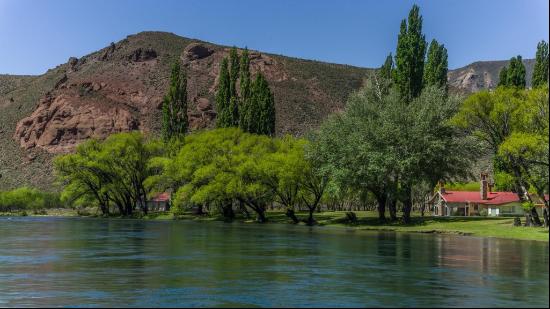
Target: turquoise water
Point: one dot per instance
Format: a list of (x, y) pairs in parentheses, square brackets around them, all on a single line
[(96, 262)]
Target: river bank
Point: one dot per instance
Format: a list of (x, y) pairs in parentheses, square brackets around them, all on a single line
[(499, 227)]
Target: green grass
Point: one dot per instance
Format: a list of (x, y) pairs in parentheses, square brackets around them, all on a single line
[(367, 220)]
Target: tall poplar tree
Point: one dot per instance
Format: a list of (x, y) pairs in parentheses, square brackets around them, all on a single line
[(540, 71), (174, 105), (515, 76), (264, 101), (503, 77), (435, 71), (245, 84), (387, 68), (410, 54), (233, 76), (223, 97)]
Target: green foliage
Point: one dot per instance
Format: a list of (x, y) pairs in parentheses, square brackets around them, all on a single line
[(259, 110), (219, 166), (108, 173), (28, 199), (409, 58), (514, 74), (503, 77), (386, 70), (174, 106), (540, 71), (233, 71), (380, 142), (504, 181), (460, 186), (223, 97), (513, 122), (435, 71)]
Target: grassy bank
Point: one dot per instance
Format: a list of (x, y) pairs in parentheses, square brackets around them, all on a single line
[(472, 226), (366, 220)]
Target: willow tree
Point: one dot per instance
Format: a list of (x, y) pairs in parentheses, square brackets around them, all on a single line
[(513, 123)]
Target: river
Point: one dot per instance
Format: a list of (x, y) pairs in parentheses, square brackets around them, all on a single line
[(47, 261)]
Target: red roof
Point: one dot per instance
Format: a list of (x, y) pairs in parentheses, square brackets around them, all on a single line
[(493, 198), (161, 197)]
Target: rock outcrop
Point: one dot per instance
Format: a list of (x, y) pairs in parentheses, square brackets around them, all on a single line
[(60, 123)]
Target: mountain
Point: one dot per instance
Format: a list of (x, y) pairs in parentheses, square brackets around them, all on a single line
[(483, 75), (121, 86)]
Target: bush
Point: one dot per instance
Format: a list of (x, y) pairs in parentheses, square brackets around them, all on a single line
[(25, 198)]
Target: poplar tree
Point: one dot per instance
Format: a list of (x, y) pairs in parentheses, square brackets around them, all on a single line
[(540, 71), (244, 112), (435, 71), (410, 54), (265, 103), (174, 105), (387, 68), (503, 77), (223, 97), (233, 76), (515, 76)]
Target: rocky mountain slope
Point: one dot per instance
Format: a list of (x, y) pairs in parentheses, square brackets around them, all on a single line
[(483, 75), (120, 88)]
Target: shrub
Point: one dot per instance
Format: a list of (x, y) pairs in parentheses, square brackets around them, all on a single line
[(25, 198)]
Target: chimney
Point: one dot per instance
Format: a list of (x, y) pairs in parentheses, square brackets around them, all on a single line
[(441, 187), (484, 186)]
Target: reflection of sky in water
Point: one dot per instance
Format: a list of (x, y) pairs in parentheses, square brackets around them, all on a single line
[(89, 262)]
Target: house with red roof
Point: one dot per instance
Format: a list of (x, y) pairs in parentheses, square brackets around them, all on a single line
[(161, 202), (484, 202)]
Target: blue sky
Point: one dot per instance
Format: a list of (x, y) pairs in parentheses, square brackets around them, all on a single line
[(38, 35)]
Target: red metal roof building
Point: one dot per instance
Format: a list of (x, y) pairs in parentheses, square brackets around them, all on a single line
[(161, 202), (478, 203)]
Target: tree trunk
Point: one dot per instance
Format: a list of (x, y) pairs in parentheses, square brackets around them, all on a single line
[(290, 213), (535, 215), (407, 205), (392, 205), (261, 216), (381, 199), (228, 212), (528, 221), (310, 220), (244, 210)]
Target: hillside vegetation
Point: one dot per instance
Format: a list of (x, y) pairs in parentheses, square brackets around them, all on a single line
[(120, 88)]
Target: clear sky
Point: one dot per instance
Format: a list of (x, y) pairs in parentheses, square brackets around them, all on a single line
[(37, 35)]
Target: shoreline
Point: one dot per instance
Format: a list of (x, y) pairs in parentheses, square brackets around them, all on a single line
[(484, 227)]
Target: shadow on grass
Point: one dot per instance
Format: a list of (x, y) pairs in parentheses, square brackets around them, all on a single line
[(415, 221)]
